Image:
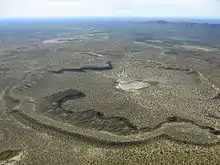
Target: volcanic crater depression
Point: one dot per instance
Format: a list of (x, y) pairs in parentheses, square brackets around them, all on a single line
[(104, 109)]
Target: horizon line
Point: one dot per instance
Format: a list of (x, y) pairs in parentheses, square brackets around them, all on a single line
[(115, 17)]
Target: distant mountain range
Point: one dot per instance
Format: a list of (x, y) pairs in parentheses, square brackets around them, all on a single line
[(190, 24)]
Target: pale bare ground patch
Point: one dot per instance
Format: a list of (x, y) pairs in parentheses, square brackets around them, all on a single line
[(155, 41), (131, 85), (59, 40), (195, 48)]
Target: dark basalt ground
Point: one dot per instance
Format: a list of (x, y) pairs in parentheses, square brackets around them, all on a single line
[(216, 97), (8, 154), (86, 68), (51, 106), (175, 68)]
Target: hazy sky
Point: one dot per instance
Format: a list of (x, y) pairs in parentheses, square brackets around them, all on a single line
[(120, 8)]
